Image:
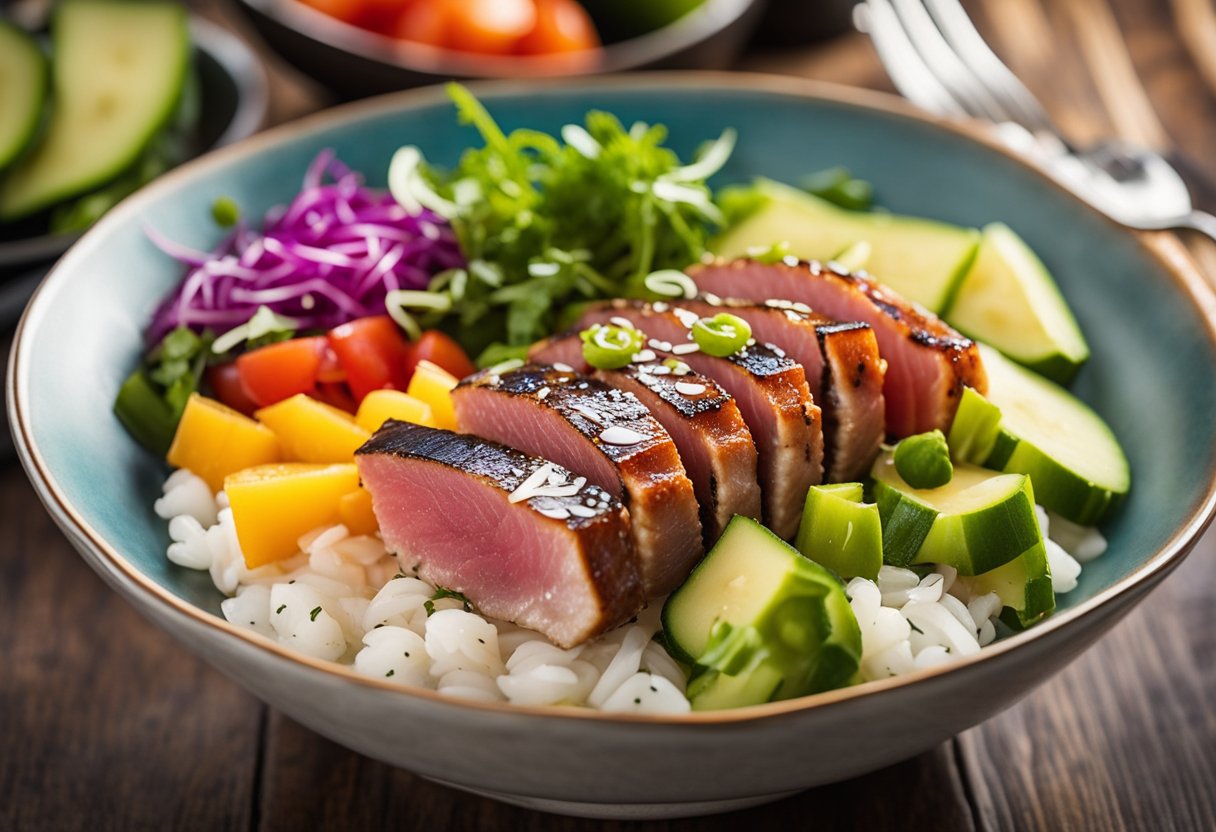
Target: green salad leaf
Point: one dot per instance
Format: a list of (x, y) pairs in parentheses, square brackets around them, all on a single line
[(547, 221)]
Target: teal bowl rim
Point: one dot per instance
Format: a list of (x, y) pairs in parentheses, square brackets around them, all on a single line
[(1161, 246)]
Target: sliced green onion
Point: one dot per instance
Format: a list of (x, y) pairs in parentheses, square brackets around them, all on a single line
[(408, 187), (225, 212), (710, 161), (263, 322), (610, 347), (770, 254), (924, 460), (723, 334), (671, 283)]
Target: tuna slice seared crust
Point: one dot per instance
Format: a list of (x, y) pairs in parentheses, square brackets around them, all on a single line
[(928, 363), (843, 372), (771, 393), (561, 563), (605, 435)]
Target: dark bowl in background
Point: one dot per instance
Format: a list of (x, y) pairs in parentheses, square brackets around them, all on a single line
[(355, 62), (234, 100)]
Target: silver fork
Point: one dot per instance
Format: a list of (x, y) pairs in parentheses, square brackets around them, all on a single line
[(939, 61)]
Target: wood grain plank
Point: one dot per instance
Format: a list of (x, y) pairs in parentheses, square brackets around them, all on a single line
[(310, 782), (105, 722), (1125, 738)]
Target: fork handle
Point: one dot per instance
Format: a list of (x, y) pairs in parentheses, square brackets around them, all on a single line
[(1198, 180)]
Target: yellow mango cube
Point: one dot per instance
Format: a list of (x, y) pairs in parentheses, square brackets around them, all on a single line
[(213, 441), (379, 406), (355, 510), (433, 384), (273, 505), (313, 431)]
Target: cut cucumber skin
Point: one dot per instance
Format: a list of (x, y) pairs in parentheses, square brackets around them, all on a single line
[(974, 431), (21, 200), (1070, 494), (1023, 585), (840, 532), (803, 637), (906, 523), (24, 128), (933, 291), (1057, 349)]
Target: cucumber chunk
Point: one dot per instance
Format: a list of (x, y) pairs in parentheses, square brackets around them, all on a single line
[(841, 532), (1023, 585), (1009, 300), (23, 83), (1079, 470), (977, 522), (118, 68), (760, 622), (974, 429), (921, 259)]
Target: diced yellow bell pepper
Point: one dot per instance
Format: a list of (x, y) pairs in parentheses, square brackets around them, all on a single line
[(312, 431), (355, 509), (213, 441), (380, 405), (273, 505), (433, 385)]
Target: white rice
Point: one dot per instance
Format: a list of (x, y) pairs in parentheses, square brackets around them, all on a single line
[(342, 598)]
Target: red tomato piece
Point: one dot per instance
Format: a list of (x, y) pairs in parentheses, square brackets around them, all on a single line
[(424, 21), (279, 371), (489, 26), (374, 354), (561, 26), (225, 382), (436, 347), (336, 395)]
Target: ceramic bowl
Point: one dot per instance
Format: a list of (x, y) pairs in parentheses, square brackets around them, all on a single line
[(355, 62), (1146, 312)]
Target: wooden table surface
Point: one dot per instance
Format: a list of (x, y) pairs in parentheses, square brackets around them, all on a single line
[(106, 723)]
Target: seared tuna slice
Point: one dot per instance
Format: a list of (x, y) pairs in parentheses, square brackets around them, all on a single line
[(523, 539), (770, 391), (843, 371), (713, 440), (607, 436), (928, 363)]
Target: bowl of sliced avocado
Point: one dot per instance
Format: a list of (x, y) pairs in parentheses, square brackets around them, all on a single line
[(113, 94)]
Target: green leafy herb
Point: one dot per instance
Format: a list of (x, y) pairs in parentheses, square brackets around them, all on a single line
[(444, 592), (279, 611), (545, 222), (390, 673), (151, 400), (313, 613), (838, 186)]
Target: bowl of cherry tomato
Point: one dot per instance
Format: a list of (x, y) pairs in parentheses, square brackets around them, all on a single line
[(366, 47)]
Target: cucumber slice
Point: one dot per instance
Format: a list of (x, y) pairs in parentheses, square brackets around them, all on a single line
[(23, 83), (1079, 470), (1023, 585), (977, 522), (921, 259), (855, 257), (760, 622), (1009, 300), (841, 532), (118, 68), (975, 428)]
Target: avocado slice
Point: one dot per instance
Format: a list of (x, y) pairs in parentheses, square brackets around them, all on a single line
[(977, 522), (759, 622), (841, 532), (1009, 300), (922, 259)]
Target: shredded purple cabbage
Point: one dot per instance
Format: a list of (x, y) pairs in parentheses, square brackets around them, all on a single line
[(329, 257)]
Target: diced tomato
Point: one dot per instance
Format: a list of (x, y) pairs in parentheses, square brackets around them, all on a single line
[(437, 348), (279, 371), (374, 354), (378, 15), (225, 382), (424, 21), (489, 26), (336, 395), (561, 26)]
